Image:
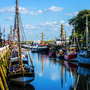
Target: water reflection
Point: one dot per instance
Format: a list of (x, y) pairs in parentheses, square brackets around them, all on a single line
[(16, 87), (54, 74)]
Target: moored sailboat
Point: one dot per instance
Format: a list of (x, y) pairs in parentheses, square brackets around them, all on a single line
[(20, 73)]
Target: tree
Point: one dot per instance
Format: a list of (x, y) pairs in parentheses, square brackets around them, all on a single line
[(80, 21)]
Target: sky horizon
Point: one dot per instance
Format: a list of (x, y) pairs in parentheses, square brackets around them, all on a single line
[(41, 16)]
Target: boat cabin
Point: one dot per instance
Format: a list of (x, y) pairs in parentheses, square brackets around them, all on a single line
[(71, 51), (61, 51)]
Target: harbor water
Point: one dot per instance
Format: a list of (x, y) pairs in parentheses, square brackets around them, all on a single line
[(55, 74)]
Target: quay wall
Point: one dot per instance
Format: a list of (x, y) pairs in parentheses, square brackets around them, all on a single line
[(4, 55)]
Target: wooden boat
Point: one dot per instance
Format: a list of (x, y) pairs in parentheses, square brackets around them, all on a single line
[(20, 73)]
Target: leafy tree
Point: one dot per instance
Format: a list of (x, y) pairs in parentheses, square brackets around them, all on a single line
[(80, 21)]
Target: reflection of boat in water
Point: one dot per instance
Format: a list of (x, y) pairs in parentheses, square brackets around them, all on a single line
[(52, 53), (82, 81), (16, 87), (83, 71), (72, 65)]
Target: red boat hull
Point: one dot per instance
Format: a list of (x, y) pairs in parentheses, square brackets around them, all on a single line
[(72, 56)]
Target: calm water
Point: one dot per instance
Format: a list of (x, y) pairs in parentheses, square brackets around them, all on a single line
[(55, 74)]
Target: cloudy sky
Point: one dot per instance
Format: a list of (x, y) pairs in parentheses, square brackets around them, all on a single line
[(41, 16)]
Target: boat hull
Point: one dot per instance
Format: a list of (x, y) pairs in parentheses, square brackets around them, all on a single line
[(83, 61), (60, 56), (69, 57), (22, 81), (42, 50)]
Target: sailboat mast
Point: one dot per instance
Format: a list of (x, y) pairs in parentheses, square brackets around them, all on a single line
[(74, 33), (18, 32), (86, 30)]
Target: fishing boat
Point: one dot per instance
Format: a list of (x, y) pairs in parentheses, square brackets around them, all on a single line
[(20, 73), (71, 54), (60, 53), (43, 48)]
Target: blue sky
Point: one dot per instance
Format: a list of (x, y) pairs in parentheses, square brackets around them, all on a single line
[(41, 16)]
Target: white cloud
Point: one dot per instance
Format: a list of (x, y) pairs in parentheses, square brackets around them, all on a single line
[(67, 24), (61, 22), (11, 10), (54, 29), (5, 26), (30, 27), (54, 9), (49, 23), (35, 12), (7, 10), (71, 14), (24, 10), (9, 18)]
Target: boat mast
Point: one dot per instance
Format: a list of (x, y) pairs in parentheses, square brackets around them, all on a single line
[(42, 38), (86, 30), (74, 33), (18, 32), (65, 39)]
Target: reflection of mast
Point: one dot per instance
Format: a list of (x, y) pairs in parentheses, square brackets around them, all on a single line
[(42, 64), (65, 77), (62, 76)]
